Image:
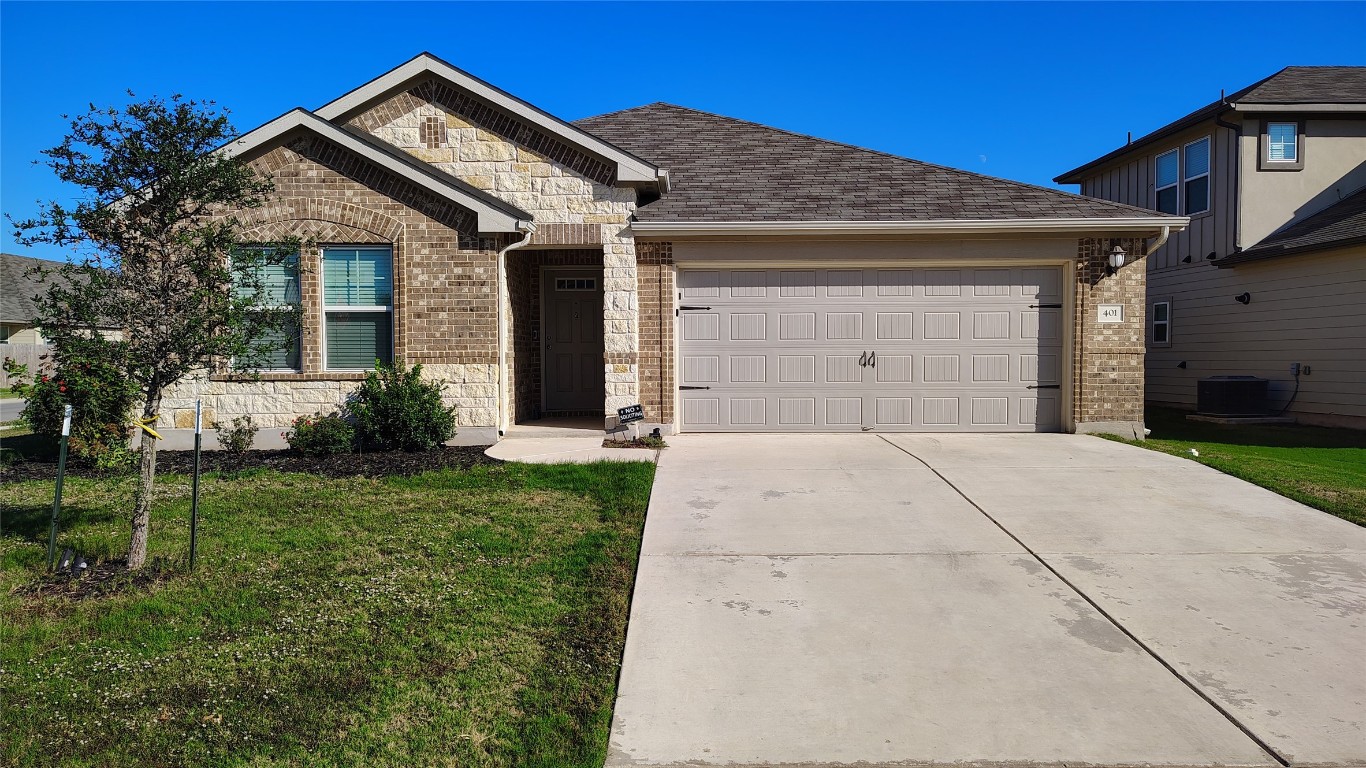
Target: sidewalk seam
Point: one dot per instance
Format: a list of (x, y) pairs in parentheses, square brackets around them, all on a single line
[(1106, 614)]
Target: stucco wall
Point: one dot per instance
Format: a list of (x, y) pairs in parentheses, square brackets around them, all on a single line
[(1334, 158)]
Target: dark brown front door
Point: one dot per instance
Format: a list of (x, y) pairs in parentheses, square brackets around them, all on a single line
[(572, 339)]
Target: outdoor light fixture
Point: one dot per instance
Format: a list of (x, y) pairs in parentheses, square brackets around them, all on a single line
[(1116, 259), (1243, 298)]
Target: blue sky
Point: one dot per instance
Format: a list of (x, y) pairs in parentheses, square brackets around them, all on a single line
[(1021, 90)]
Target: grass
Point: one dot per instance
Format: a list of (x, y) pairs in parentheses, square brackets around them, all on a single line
[(1323, 468), (469, 618)]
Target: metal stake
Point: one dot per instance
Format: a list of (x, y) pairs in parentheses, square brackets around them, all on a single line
[(57, 497), (194, 493)]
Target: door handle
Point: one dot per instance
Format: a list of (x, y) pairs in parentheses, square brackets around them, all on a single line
[(863, 360), (872, 359)]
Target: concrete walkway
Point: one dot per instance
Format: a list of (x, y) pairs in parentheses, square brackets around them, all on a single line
[(849, 599), (560, 441)]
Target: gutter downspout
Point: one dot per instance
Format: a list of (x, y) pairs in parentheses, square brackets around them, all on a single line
[(529, 229), (1237, 180), (1161, 241)]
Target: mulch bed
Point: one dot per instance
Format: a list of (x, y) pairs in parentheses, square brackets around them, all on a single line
[(638, 442), (98, 580), (377, 464)]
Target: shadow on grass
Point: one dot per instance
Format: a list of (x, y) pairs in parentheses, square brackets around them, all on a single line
[(35, 522), (1172, 424)]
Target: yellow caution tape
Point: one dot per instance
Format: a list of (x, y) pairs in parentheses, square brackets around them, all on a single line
[(143, 424)]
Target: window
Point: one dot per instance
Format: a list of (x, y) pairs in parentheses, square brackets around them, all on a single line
[(576, 284), (279, 284), (1197, 176), (1162, 324), (358, 307), (1282, 143), (1168, 175)]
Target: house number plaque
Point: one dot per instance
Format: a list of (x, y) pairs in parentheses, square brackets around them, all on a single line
[(1110, 313)]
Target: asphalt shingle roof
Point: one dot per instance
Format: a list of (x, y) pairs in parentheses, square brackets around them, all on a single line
[(724, 169), (1308, 85), (1340, 224), (1292, 85), (18, 289)]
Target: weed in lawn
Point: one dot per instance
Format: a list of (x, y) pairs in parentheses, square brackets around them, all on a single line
[(461, 617)]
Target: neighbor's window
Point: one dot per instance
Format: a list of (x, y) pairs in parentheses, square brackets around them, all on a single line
[(358, 307), (1282, 142), (1197, 176), (1162, 323), (280, 290), (1168, 174)]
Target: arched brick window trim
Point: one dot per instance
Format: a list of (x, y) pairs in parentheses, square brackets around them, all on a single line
[(322, 221), (319, 221)]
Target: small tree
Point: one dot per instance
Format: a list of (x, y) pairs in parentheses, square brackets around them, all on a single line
[(161, 261)]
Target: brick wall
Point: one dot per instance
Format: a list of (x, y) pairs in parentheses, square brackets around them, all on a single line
[(655, 287), (569, 193), (1107, 359), (444, 281)]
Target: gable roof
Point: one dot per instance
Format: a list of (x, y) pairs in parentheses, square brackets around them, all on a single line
[(729, 171), (1289, 90), (494, 214), (1341, 224), (19, 290), (630, 168)]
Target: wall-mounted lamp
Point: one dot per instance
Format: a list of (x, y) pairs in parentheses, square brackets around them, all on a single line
[(1243, 298), (1116, 260)]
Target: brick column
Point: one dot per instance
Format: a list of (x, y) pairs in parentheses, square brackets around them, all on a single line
[(656, 284), (1107, 359)]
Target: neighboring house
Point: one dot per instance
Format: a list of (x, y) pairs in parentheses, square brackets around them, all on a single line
[(724, 275), (1272, 269), (20, 287)]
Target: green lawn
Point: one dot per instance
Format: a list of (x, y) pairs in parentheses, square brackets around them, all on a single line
[(1324, 468), (469, 618)]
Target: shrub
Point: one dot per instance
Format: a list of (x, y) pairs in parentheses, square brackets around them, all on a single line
[(101, 400), (320, 435), (237, 438), (395, 410)]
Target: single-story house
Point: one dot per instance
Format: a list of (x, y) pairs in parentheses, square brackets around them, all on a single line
[(724, 275)]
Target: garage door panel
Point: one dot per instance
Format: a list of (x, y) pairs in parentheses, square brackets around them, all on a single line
[(957, 349)]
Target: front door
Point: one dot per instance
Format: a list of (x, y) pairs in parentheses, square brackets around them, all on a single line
[(572, 339)]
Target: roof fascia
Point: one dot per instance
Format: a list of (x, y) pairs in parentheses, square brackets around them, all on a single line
[(1253, 256), (493, 215), (1245, 107), (630, 169), (1153, 224), (1082, 172)]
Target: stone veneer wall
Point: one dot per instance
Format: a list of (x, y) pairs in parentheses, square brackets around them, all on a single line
[(1107, 359), (535, 171), (655, 275), (444, 301)]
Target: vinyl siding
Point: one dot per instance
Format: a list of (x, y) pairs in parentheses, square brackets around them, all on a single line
[(1309, 309), (1130, 181)]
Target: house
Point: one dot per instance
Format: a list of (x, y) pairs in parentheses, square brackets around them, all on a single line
[(20, 286), (724, 275), (1269, 279)]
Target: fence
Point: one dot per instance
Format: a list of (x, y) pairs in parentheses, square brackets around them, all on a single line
[(26, 354)]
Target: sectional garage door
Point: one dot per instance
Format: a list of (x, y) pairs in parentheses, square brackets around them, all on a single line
[(888, 349)]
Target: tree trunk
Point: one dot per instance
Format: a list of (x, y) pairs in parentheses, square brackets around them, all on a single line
[(142, 508)]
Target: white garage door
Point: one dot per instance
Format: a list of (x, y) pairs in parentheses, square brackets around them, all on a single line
[(910, 349)]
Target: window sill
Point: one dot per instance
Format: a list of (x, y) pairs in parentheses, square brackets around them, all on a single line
[(291, 376)]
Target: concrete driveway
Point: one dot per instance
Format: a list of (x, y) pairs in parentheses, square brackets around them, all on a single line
[(857, 599)]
